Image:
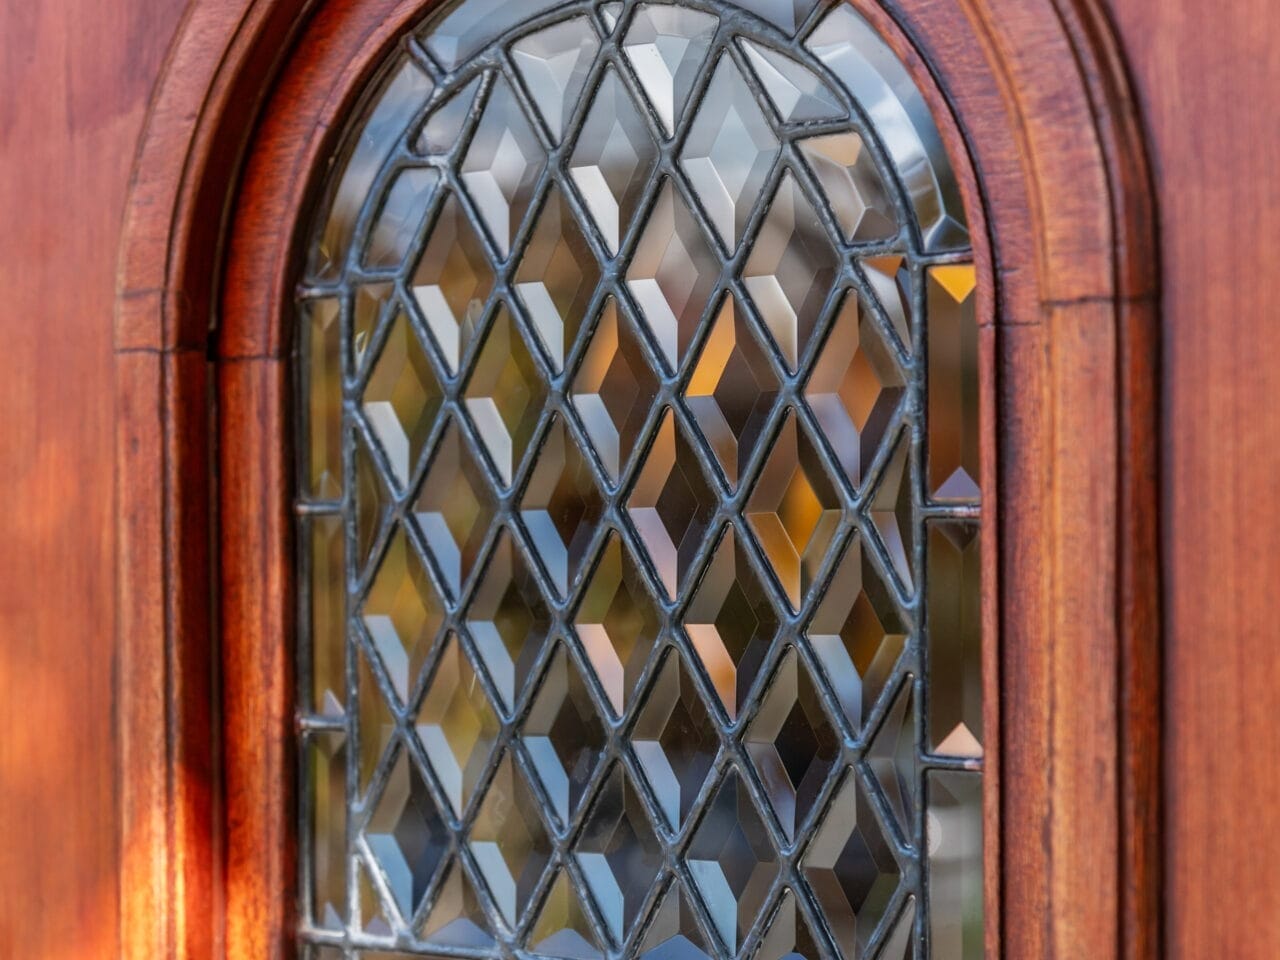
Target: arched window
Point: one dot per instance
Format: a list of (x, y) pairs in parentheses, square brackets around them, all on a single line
[(639, 496)]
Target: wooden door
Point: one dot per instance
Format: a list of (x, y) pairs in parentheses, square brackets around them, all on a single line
[(162, 166)]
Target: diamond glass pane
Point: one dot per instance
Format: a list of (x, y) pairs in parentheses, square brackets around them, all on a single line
[(638, 384)]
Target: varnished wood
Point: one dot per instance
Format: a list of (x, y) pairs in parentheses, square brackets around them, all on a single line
[(1206, 77), (77, 76)]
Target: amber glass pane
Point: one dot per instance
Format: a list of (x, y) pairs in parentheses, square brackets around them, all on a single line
[(638, 489)]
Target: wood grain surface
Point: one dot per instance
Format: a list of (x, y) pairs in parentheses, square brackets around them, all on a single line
[(76, 77), (1207, 76)]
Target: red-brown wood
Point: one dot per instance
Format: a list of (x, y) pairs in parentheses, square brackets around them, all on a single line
[(1206, 76), (76, 76)]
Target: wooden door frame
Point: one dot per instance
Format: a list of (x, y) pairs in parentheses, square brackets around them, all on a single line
[(1064, 230)]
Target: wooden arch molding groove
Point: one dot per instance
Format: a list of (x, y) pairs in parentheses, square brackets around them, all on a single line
[(1035, 106)]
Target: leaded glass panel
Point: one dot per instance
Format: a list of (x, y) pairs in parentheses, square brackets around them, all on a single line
[(639, 498)]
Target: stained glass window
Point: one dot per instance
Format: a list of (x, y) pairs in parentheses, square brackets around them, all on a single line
[(639, 502)]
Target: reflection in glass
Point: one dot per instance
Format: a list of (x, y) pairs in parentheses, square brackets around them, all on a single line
[(953, 383), (954, 836), (456, 726), (327, 762), (732, 861), (557, 277), (617, 623), (328, 626), (794, 510), (731, 391), (730, 623), (618, 853), (613, 390), (674, 740), (563, 734), (790, 269), (612, 160), (851, 867), (638, 472), (322, 350), (955, 639), (509, 842), (406, 835), (728, 152)]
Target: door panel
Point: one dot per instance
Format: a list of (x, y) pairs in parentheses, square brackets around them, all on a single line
[(81, 81)]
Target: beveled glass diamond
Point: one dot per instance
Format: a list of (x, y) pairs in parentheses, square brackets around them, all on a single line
[(731, 391), (373, 910), (666, 46), (786, 15), (451, 283), (562, 930), (400, 218), (900, 942), (671, 504), (508, 620), (553, 63), (857, 633), (612, 159), (561, 506), (370, 302), (402, 398), (406, 835), (892, 513), (732, 861), (788, 935), (618, 853), (509, 841), (672, 275), (454, 508), (675, 740), (673, 932), (563, 734), (557, 276), (891, 755), (728, 152), (377, 724), (848, 176), (730, 622), (444, 123), (457, 725), (501, 166), (851, 868), (791, 743), (795, 90), (373, 502), (890, 281), (794, 510), (613, 390), (504, 395), (402, 613), (457, 918), (791, 269), (854, 388), (617, 622)]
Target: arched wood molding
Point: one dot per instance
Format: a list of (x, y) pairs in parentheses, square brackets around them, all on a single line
[(1063, 216)]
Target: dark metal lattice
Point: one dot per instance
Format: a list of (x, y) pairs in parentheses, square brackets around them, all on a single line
[(638, 498)]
